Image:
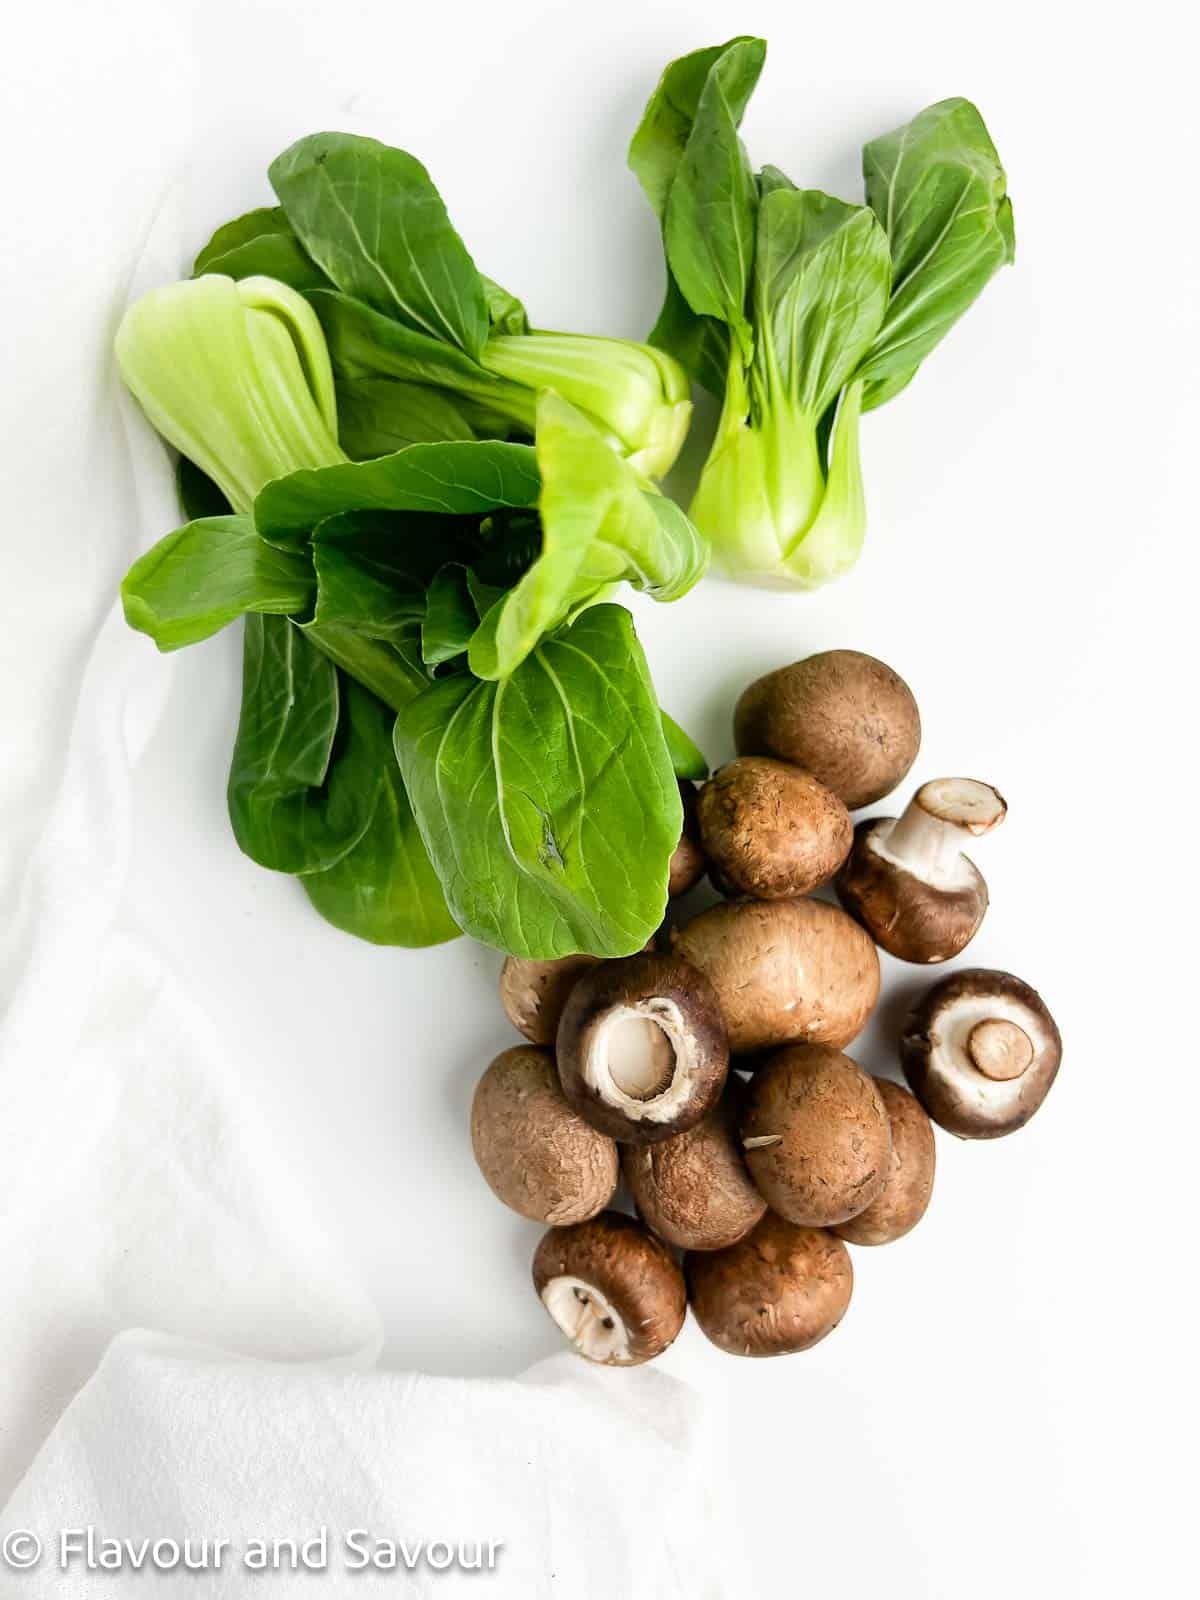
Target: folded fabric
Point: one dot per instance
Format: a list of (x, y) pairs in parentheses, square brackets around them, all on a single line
[(137, 1184), (569, 1481)]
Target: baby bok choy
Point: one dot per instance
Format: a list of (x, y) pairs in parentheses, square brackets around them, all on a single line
[(445, 723), (423, 345), (798, 311)]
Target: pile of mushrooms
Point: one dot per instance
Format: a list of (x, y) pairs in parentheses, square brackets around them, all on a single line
[(705, 1079)]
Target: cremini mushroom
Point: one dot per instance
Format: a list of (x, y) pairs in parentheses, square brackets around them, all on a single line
[(843, 716), (816, 1136), (612, 1289), (538, 1156), (687, 864), (980, 1051), (784, 971), (770, 830), (904, 1198), (779, 1290), (695, 1191), (907, 880), (642, 1053), (533, 993)]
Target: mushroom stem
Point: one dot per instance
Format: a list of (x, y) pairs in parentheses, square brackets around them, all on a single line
[(641, 1060), (999, 1049), (929, 836), (587, 1319)]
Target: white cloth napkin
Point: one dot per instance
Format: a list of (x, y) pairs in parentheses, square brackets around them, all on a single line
[(572, 1480), (139, 1187)]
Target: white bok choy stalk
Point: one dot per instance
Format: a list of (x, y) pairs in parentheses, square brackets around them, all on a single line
[(236, 376)]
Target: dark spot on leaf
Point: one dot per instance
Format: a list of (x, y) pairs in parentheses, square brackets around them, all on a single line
[(551, 855)]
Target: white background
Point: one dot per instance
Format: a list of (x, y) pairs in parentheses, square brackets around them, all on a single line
[(1009, 1405)]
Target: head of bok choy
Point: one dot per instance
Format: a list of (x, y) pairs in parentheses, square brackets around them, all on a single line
[(800, 312), (446, 724)]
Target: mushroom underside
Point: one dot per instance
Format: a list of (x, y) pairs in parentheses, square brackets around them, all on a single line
[(641, 1059), (642, 1052), (980, 1052), (591, 1323)]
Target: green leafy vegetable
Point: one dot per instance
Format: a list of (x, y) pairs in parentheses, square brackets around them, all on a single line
[(203, 576), (364, 344), (938, 188), (363, 232), (821, 277), (289, 803), (800, 311), (261, 244), (372, 571), (633, 392), (450, 615), (599, 527), (314, 790), (393, 671), (709, 219), (377, 416), (371, 219), (262, 222), (700, 343), (384, 889), (547, 800), (687, 759), (505, 312), (455, 478), (363, 585)]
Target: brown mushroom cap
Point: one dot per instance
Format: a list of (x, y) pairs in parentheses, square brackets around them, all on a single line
[(778, 1290), (642, 1053), (907, 880), (695, 1190), (688, 865), (538, 1155), (845, 717), (770, 830), (963, 1044), (903, 1200), (613, 1290), (816, 1136), (785, 971), (533, 993)]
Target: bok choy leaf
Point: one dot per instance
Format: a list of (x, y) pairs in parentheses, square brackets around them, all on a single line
[(384, 889), (600, 526), (205, 575), (547, 799), (938, 188)]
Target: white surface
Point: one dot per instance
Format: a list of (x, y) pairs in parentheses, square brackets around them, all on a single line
[(1001, 1410)]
